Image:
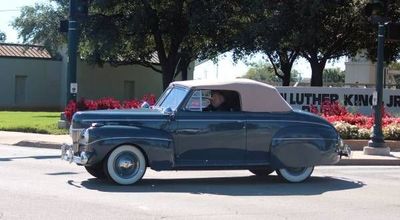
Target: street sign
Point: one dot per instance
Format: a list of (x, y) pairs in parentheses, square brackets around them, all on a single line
[(375, 98), (74, 88)]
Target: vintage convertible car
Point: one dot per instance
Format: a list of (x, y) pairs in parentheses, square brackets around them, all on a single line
[(257, 131)]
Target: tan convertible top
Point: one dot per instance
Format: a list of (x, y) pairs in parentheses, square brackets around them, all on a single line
[(255, 96)]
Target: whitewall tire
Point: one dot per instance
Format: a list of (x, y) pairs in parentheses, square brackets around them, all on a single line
[(295, 175), (126, 165)]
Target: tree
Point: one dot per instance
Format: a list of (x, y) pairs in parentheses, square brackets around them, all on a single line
[(265, 72), (331, 29), (39, 24), (136, 32), (270, 30), (369, 38), (3, 37), (333, 75)]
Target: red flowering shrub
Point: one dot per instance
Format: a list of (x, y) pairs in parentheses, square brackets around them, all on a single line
[(105, 103), (353, 125)]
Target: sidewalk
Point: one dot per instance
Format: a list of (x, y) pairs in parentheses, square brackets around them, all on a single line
[(54, 142), (33, 140)]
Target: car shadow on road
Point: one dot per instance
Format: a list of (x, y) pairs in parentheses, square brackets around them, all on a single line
[(29, 157), (231, 186)]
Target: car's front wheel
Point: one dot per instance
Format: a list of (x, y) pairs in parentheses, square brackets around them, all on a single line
[(126, 165), (294, 174)]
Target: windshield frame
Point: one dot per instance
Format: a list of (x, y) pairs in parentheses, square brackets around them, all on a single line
[(167, 92)]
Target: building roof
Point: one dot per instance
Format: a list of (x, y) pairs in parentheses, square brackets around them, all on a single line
[(24, 51), (255, 96)]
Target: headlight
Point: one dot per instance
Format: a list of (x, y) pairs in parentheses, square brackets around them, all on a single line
[(85, 136)]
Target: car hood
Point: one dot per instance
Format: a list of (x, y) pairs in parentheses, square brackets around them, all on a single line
[(85, 119)]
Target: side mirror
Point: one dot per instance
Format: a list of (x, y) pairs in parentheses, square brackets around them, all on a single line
[(168, 111), (145, 105)]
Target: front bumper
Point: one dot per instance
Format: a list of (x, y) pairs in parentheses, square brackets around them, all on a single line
[(344, 150), (68, 154)]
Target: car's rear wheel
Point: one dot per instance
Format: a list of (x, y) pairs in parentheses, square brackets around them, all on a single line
[(295, 174), (262, 172), (126, 165), (96, 171)]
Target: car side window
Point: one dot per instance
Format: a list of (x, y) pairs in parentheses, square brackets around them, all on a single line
[(199, 100), (214, 101)]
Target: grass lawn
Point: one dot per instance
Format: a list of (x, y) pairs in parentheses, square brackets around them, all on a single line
[(33, 122)]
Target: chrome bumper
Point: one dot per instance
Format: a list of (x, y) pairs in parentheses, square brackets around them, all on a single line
[(345, 150), (67, 154)]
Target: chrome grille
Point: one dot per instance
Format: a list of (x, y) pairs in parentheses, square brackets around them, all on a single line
[(75, 135)]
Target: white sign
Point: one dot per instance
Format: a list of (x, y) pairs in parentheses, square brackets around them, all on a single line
[(355, 99), (73, 88), (375, 98)]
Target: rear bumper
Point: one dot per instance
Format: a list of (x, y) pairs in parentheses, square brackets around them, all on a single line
[(68, 154)]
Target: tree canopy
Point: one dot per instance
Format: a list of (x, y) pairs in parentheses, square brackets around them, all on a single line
[(177, 32), (163, 35), (264, 72), (3, 37), (333, 76)]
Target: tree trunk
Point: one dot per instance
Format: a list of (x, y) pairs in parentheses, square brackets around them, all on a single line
[(184, 74), (286, 70), (286, 59), (317, 68), (167, 75), (184, 65)]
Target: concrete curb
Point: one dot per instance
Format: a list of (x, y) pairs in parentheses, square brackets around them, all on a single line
[(369, 162), (358, 145), (38, 144)]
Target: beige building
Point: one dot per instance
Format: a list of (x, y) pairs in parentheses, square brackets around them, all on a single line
[(31, 79), (361, 72)]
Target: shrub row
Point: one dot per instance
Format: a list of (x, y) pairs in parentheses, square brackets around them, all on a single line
[(355, 125), (105, 103)]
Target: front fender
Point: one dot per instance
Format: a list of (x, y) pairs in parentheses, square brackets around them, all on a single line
[(156, 144), (304, 145)]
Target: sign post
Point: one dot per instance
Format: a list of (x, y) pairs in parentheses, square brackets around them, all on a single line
[(376, 146), (72, 51)]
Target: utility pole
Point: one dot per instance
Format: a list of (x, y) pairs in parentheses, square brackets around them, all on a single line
[(72, 86), (376, 10), (78, 10)]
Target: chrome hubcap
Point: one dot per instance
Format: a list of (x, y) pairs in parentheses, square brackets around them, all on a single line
[(126, 165)]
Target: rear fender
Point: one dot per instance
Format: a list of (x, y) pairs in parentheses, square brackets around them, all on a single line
[(304, 145)]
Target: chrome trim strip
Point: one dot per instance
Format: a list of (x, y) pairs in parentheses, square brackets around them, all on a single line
[(146, 138), (266, 120), (95, 120), (292, 121), (330, 139)]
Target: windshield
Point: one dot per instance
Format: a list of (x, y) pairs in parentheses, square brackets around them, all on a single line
[(172, 97)]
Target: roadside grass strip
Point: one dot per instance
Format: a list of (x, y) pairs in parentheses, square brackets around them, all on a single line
[(31, 122)]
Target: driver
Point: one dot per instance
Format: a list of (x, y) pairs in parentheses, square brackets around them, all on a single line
[(217, 102)]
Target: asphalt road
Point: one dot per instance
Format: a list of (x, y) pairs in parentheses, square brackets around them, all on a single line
[(36, 184)]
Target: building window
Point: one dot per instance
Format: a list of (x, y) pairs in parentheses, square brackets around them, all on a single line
[(20, 90), (129, 89)]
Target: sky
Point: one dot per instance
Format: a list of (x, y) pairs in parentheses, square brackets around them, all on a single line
[(225, 68), (9, 10)]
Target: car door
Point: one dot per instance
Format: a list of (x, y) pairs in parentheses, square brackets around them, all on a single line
[(209, 138)]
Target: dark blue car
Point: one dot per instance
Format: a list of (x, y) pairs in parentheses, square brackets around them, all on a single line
[(203, 125)]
